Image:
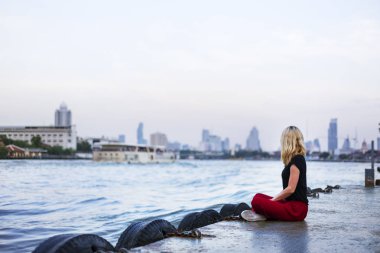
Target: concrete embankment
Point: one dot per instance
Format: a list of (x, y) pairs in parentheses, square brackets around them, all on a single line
[(348, 220)]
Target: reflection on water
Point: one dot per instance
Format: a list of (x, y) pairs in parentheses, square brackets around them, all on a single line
[(39, 199)]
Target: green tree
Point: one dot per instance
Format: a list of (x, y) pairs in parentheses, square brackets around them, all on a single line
[(84, 146), (36, 141), (68, 151), (58, 150), (5, 140), (324, 155), (3, 152), (55, 150), (21, 144)]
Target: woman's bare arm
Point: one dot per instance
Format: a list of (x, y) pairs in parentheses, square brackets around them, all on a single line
[(292, 184)]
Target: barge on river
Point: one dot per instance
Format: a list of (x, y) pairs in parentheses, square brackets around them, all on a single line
[(133, 153)]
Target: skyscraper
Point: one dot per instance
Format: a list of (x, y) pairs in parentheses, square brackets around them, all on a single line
[(226, 144), (215, 143), (63, 116), (253, 142), (211, 142), (346, 148), (316, 145), (205, 135), (332, 136), (364, 148), (309, 146), (140, 134), (158, 139), (121, 138)]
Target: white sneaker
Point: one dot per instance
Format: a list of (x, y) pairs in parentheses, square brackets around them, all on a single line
[(250, 215)]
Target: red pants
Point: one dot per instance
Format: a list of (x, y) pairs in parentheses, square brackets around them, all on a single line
[(279, 210)]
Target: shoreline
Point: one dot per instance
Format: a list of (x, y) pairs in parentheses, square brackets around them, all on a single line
[(68, 158)]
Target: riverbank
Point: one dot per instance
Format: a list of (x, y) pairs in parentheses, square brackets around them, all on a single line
[(345, 221), (76, 157)]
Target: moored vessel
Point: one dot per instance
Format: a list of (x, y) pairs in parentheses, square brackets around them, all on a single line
[(133, 153)]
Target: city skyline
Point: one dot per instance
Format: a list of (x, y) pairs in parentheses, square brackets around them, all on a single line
[(251, 143), (183, 67)]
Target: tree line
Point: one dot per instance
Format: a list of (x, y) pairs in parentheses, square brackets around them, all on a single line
[(36, 142)]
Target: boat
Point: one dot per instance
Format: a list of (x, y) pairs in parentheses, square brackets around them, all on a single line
[(133, 153)]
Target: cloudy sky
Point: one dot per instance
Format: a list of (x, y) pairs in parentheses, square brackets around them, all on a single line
[(182, 66)]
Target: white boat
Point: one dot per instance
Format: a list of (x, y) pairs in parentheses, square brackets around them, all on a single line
[(132, 153)]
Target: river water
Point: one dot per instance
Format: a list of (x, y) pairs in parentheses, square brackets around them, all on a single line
[(42, 198)]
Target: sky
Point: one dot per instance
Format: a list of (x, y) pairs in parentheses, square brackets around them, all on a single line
[(182, 66)]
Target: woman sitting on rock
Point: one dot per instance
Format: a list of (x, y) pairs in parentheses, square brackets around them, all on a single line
[(291, 203)]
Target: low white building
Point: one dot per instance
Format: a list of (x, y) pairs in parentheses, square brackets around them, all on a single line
[(65, 137)]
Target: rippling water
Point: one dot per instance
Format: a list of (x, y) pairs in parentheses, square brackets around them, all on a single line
[(39, 199)]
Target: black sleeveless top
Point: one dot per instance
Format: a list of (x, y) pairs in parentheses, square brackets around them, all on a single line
[(301, 189)]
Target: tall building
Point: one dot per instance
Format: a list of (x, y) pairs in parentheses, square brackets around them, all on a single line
[(309, 146), (316, 146), (312, 146), (332, 136), (237, 147), (346, 148), (158, 139), (121, 138), (226, 144), (63, 116), (215, 143), (364, 148), (253, 142), (205, 135), (210, 142), (174, 146), (378, 143), (140, 134)]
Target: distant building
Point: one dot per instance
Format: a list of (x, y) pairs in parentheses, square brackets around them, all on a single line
[(174, 146), (378, 143), (316, 146), (62, 116), (226, 144), (18, 152), (65, 137), (140, 135), (237, 147), (158, 139), (97, 142), (346, 148), (253, 142), (121, 138), (205, 135), (332, 136), (309, 146), (215, 143), (313, 146), (364, 148), (210, 142), (186, 147)]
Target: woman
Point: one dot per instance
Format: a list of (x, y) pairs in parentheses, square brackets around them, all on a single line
[(291, 203)]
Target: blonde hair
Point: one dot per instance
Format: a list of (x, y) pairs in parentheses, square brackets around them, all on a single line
[(291, 144)]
